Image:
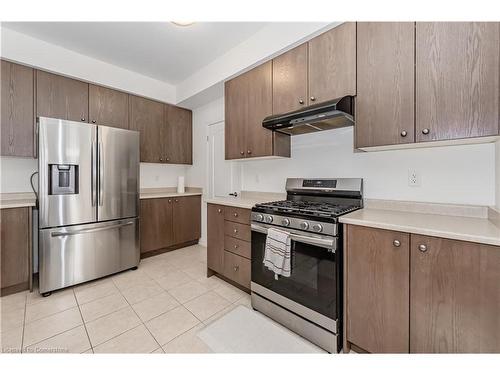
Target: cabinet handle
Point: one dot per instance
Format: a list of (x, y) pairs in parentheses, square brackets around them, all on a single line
[(249, 152), (82, 119), (236, 246), (235, 230), (312, 98), (236, 268), (422, 248), (167, 159), (235, 214), (396, 243), (170, 201), (425, 131), (301, 101), (176, 201), (404, 133), (219, 210), (93, 121), (161, 159)]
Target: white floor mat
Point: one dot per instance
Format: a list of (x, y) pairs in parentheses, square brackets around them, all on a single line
[(243, 330)]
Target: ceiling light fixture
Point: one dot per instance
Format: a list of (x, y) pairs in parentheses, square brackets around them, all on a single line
[(183, 23)]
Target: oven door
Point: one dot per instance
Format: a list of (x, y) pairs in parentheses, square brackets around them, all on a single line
[(314, 285)]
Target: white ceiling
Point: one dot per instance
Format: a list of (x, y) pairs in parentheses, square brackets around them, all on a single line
[(159, 50)]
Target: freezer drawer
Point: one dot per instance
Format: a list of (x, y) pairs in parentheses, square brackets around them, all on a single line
[(75, 254)]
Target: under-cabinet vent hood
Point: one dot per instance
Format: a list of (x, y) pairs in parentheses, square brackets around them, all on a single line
[(337, 113)]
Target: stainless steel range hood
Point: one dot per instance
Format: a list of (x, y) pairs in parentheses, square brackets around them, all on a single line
[(337, 113)]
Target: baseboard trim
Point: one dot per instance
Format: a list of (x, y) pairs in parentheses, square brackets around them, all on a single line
[(167, 249), (14, 288)]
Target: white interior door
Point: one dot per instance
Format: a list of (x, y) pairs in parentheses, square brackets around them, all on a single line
[(224, 176)]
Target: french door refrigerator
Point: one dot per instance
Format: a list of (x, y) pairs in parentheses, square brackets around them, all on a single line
[(88, 202)]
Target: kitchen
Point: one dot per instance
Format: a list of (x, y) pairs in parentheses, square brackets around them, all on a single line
[(371, 148)]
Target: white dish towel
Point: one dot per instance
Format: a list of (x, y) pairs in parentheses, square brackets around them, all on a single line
[(278, 255)]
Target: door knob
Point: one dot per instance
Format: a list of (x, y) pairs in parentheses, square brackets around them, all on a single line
[(425, 131), (396, 243), (404, 133), (312, 98), (301, 101), (422, 248)]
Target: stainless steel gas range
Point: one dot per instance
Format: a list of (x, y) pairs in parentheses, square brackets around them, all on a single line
[(309, 302)]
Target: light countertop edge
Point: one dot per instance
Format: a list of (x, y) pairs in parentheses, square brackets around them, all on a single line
[(471, 229), (17, 200)]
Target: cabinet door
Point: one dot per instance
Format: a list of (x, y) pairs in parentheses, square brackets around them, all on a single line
[(290, 80), (332, 64), (156, 224), (385, 83), (378, 289), (108, 107), (61, 97), (259, 101), (147, 117), (457, 80), (455, 296), (215, 237), (187, 219), (17, 118), (236, 112), (178, 135), (15, 249)]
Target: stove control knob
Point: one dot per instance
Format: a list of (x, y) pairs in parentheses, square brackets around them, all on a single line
[(285, 222), (318, 228), (259, 217), (269, 219), (304, 225)]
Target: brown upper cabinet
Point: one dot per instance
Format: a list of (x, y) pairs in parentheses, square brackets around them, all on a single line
[(17, 118), (385, 83), (457, 80), (332, 64), (61, 97), (177, 135), (455, 296), (108, 107), (290, 80), (147, 117), (248, 100)]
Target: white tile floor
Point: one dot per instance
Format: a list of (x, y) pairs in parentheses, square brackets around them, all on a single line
[(158, 308)]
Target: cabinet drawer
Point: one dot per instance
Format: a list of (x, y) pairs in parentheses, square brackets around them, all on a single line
[(237, 269), (238, 215), (237, 230), (238, 247)]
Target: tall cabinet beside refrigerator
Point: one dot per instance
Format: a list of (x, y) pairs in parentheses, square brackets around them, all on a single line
[(88, 202)]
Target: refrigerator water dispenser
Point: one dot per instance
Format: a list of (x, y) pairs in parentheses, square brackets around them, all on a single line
[(63, 179)]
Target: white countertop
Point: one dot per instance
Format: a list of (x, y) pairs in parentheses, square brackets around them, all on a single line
[(247, 199), (167, 192), (473, 229), (15, 200)]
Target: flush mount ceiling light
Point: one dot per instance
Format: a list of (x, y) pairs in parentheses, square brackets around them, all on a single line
[(183, 23)]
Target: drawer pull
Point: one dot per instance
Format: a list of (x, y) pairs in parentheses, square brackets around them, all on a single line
[(235, 231), (422, 248), (235, 214), (236, 246), (219, 210), (236, 268), (397, 243)]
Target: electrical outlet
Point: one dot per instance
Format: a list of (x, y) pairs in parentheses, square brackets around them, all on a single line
[(413, 178)]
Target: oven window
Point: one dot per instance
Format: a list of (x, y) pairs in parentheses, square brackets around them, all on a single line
[(313, 279)]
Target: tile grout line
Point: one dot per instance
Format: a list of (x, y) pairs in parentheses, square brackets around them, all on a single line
[(24, 321), (83, 321)]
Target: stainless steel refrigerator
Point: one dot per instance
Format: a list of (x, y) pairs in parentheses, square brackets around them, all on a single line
[(88, 202)]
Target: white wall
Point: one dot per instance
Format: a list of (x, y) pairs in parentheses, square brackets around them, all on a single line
[(197, 175), (454, 174), (37, 53), (15, 174), (497, 174)]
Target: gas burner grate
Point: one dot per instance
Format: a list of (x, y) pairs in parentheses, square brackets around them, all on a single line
[(308, 208)]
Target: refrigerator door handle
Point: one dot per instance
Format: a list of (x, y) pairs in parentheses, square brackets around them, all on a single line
[(94, 173), (101, 175), (90, 230)]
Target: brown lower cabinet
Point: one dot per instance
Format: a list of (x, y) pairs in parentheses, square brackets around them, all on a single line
[(420, 294), (15, 249), (228, 245), (169, 223)]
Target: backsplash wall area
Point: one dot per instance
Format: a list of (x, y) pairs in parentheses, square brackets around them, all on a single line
[(453, 174), (15, 174)]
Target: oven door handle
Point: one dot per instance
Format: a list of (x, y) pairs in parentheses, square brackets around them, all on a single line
[(329, 243)]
